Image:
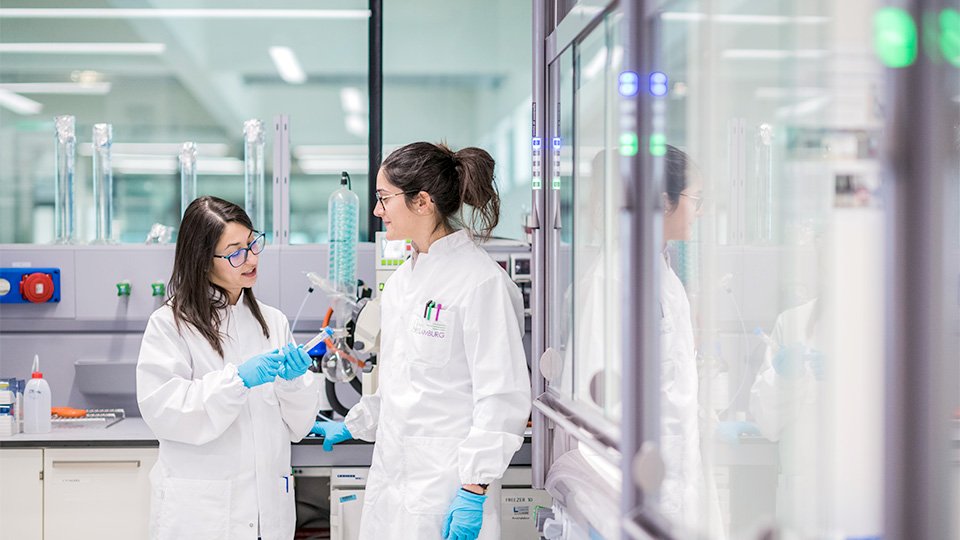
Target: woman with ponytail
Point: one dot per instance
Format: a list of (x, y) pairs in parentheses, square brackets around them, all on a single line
[(454, 395)]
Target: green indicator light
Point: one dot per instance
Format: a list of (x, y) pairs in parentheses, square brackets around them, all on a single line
[(950, 35), (658, 145), (628, 144), (894, 37)]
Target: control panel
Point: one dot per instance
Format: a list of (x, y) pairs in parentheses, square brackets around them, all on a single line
[(29, 285)]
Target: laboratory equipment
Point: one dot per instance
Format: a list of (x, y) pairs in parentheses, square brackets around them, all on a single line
[(29, 285), (103, 183), (36, 402), (323, 335), (64, 189), (343, 208), (188, 175), (254, 193)]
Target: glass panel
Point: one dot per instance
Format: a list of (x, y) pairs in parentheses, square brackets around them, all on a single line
[(162, 77), (589, 202), (952, 249), (771, 290), (459, 72)]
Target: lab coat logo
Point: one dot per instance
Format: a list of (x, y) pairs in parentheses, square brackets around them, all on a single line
[(428, 312), (430, 325)]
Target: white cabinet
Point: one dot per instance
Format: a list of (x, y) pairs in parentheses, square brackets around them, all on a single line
[(97, 492), (21, 494)]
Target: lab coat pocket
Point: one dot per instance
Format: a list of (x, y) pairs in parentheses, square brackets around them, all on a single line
[(430, 474), (286, 510), (431, 337), (194, 509)]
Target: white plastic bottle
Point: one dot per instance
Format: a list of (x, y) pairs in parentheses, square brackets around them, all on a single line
[(36, 402)]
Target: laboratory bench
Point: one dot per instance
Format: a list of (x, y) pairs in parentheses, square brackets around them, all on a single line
[(80, 471)]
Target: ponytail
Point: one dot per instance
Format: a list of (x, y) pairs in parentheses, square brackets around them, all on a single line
[(477, 189), (453, 179)]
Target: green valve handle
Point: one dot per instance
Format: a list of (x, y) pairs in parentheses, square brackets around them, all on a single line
[(123, 288), (159, 289)]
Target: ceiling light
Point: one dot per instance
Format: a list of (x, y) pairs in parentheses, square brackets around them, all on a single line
[(351, 100), (95, 89), (151, 164), (742, 19), (333, 165), (157, 149), (778, 92), (341, 150), (107, 13), (83, 48), (774, 54), (18, 103), (356, 125), (287, 65)]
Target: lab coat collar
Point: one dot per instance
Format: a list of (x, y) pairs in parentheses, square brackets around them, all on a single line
[(216, 297), (444, 245)]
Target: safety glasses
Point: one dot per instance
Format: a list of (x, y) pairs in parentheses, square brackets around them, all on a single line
[(238, 257)]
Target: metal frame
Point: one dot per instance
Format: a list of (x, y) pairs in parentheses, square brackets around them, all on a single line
[(921, 291), (538, 275), (281, 179), (641, 233), (375, 95)]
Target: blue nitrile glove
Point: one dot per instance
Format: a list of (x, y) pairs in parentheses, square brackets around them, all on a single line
[(465, 516), (332, 432), (814, 359), (730, 430), (260, 369), (788, 362), (295, 362)]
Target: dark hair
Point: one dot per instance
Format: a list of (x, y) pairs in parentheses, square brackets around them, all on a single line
[(678, 168), (452, 179), (190, 295)]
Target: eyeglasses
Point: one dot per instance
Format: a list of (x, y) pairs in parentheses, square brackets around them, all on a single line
[(698, 201), (238, 257), (381, 197)]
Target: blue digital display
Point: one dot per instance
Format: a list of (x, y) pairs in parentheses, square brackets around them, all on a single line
[(658, 83), (629, 83)]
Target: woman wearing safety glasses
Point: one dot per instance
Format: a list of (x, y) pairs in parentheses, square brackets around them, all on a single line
[(220, 390)]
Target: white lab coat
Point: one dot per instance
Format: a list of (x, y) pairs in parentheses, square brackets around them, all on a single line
[(224, 466), (454, 395), (786, 411), (687, 497)]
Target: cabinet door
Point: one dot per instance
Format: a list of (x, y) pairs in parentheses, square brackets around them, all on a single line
[(97, 492), (21, 490)]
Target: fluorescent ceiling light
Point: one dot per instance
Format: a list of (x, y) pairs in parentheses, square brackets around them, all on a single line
[(803, 108), (18, 103), (351, 100), (106, 13), (779, 92), (95, 89), (157, 149), (333, 165), (773, 54), (287, 64), (356, 125), (83, 48), (151, 164), (742, 19), (339, 150)]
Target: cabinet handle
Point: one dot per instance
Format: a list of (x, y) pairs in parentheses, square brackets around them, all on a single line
[(135, 463)]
